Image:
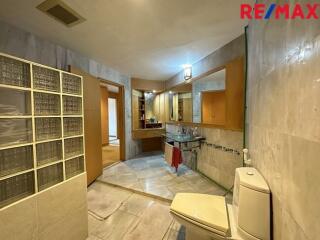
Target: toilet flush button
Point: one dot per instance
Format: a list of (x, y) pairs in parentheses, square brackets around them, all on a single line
[(250, 173)]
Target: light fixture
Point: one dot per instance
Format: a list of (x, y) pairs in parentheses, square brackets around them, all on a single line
[(187, 72), (154, 91), (170, 92)]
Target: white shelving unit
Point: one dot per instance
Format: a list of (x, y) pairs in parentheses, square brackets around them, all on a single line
[(41, 128)]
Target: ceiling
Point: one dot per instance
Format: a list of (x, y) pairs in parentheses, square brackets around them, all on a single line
[(148, 39)]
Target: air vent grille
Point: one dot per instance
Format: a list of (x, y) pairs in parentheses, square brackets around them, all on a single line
[(61, 12)]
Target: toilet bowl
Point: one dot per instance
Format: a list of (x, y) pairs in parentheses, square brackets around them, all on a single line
[(209, 217)]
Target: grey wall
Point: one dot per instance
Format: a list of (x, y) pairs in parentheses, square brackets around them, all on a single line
[(283, 120), (17, 42), (218, 58)]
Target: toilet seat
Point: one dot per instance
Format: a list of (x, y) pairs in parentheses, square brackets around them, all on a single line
[(206, 211)]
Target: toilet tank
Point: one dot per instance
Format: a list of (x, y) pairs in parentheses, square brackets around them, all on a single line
[(253, 205)]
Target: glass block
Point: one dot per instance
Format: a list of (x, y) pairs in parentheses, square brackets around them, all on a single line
[(14, 102), (46, 79), (14, 72), (72, 105), (71, 84), (72, 126), (14, 160), (73, 147), (15, 188), (49, 176), (49, 152), (46, 104), (74, 166), (15, 131), (48, 128)]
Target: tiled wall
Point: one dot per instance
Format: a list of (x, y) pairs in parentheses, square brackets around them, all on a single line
[(56, 213), (219, 160), (283, 120), (17, 42)]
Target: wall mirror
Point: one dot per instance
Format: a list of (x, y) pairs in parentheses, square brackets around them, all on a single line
[(209, 99), (180, 103), (147, 109)]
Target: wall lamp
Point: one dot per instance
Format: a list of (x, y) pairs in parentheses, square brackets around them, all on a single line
[(187, 72)]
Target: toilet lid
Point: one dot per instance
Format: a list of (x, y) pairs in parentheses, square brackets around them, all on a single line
[(209, 210)]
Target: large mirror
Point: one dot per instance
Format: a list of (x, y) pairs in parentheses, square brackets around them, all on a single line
[(209, 99), (201, 101), (147, 109), (180, 103)]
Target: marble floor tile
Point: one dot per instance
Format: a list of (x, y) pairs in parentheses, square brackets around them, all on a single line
[(136, 204), (93, 223), (101, 204), (151, 174), (162, 191), (149, 226), (139, 218), (115, 226)]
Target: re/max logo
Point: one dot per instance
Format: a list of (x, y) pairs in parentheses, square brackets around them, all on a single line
[(263, 11)]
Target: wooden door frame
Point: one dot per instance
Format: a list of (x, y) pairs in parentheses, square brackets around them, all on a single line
[(120, 117)]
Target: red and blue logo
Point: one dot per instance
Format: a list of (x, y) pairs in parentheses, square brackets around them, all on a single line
[(277, 11)]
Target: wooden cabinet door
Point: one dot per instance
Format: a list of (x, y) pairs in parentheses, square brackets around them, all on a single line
[(214, 107), (92, 125)]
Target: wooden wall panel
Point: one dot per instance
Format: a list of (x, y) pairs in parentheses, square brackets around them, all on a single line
[(235, 94), (151, 144), (92, 124), (187, 109), (104, 115), (147, 85), (214, 107)]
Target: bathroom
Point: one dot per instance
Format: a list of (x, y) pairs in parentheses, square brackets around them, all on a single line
[(218, 131)]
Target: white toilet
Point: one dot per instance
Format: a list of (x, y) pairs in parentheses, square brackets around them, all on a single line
[(209, 217)]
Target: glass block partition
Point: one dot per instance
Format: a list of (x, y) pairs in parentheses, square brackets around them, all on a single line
[(41, 128)]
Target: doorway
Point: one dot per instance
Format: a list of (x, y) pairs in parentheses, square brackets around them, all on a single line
[(112, 130)]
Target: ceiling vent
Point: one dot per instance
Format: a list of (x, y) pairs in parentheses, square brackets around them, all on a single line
[(61, 12)]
